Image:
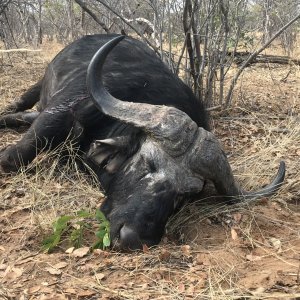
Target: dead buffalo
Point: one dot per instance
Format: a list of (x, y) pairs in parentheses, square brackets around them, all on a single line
[(138, 126)]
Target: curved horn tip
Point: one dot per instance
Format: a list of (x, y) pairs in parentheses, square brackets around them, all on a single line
[(108, 46), (282, 164), (103, 52), (116, 40), (97, 61), (282, 169)]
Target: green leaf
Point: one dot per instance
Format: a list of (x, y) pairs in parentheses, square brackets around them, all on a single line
[(83, 221), (100, 234), (84, 214), (100, 216), (61, 223), (106, 240), (51, 242), (76, 237), (59, 227)]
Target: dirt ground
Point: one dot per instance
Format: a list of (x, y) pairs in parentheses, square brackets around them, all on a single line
[(210, 250)]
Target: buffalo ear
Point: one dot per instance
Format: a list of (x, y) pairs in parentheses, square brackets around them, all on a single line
[(110, 153)]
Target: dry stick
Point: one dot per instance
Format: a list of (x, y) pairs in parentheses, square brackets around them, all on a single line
[(275, 59), (298, 274), (238, 57), (128, 24), (96, 19), (224, 18), (187, 12), (19, 50), (187, 35), (185, 43), (252, 56), (213, 108)]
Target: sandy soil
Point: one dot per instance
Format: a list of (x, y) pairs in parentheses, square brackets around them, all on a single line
[(210, 250)]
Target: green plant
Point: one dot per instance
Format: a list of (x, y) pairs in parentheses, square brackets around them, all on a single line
[(74, 227), (102, 234)]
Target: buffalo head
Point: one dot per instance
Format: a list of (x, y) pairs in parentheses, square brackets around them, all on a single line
[(166, 161)]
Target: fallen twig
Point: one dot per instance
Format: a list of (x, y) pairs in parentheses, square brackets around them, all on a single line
[(20, 50)]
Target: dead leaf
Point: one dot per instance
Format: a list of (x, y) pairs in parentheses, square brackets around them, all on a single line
[(100, 276), (46, 290), (56, 297), (101, 253), (88, 267), (60, 265), (251, 257), (23, 261), (33, 289), (164, 255), (181, 288), (203, 259), (70, 250), (58, 186), (208, 221), (190, 290), (12, 274), (276, 243), (2, 248), (145, 248), (264, 201), (258, 291), (53, 271), (234, 234), (86, 293), (237, 217), (81, 252), (17, 271), (22, 297), (70, 291), (186, 250), (3, 267)]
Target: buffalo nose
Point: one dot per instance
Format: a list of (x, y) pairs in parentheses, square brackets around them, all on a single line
[(129, 239)]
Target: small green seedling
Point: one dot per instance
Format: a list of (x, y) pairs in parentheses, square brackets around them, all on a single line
[(102, 234), (74, 228)]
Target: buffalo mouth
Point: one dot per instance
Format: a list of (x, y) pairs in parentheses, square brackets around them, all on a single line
[(128, 239)]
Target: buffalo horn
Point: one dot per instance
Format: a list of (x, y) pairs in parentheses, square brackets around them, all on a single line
[(172, 127)]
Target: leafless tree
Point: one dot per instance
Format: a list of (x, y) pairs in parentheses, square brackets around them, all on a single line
[(198, 39)]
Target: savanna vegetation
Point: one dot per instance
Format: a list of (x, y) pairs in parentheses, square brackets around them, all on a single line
[(242, 58)]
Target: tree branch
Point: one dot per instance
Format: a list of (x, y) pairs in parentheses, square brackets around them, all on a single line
[(85, 8), (252, 57), (128, 24)]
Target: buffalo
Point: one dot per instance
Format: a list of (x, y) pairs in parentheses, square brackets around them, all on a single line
[(137, 125)]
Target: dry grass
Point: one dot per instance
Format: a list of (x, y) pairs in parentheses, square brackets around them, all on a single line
[(47, 181), (211, 250)]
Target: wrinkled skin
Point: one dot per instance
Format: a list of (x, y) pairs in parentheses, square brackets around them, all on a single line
[(141, 212), (148, 157)]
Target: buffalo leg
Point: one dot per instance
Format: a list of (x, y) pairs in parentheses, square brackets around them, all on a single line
[(26, 101), (19, 119), (46, 132)]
